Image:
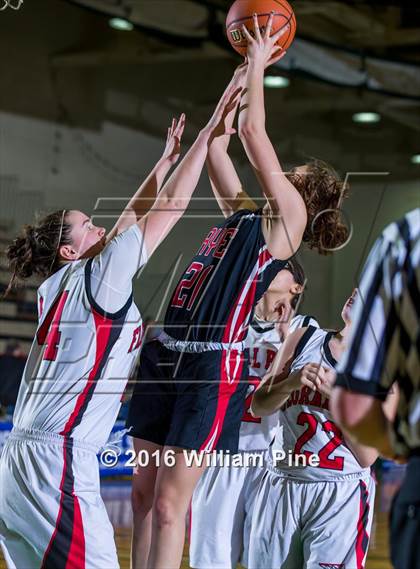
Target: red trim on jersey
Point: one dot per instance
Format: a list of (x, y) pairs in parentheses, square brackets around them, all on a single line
[(232, 360), (103, 329), (235, 331), (67, 550), (230, 373), (362, 539), (60, 509), (77, 553)]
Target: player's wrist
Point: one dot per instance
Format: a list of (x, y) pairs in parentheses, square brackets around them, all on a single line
[(257, 64)]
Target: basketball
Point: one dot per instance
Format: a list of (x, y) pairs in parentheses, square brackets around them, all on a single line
[(241, 13)]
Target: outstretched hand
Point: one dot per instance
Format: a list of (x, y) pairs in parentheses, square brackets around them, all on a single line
[(172, 149), (264, 48), (217, 124)]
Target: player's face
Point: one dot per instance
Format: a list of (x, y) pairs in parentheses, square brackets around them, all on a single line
[(87, 239), (346, 312), (279, 294)]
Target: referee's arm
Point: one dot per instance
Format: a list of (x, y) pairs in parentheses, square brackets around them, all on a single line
[(364, 375)]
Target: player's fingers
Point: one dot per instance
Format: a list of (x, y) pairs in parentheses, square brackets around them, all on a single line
[(308, 383), (277, 35), (233, 96), (257, 28), (269, 27), (246, 33), (180, 126)]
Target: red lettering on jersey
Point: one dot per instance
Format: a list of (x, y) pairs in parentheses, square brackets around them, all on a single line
[(210, 241), (49, 331), (255, 363), (270, 357), (204, 273), (316, 400), (223, 242), (294, 398), (325, 459), (186, 284), (304, 396), (137, 338)]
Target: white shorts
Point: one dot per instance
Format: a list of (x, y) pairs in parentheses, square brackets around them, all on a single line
[(220, 515), (311, 524), (51, 512)]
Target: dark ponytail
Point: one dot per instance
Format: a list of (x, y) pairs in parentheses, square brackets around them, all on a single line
[(35, 250)]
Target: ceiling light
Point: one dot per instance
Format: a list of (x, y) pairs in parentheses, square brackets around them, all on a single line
[(120, 24), (366, 117), (276, 81)]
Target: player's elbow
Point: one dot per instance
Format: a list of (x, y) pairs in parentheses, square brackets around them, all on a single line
[(171, 203), (257, 408), (251, 130)]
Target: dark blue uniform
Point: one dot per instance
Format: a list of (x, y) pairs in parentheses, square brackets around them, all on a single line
[(216, 295), (192, 384)]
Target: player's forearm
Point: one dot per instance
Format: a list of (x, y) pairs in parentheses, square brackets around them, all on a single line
[(252, 110), (224, 179), (146, 195), (363, 418), (270, 396), (179, 188)]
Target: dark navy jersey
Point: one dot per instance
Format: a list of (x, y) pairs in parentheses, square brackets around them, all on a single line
[(215, 297)]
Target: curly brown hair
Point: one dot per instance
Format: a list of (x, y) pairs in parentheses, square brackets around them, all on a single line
[(35, 250), (322, 191)]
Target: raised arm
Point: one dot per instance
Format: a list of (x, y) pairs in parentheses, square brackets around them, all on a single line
[(145, 197), (175, 196), (285, 207), (223, 176)]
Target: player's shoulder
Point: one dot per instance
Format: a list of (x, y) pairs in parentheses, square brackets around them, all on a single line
[(303, 321), (293, 339), (246, 213), (303, 337)]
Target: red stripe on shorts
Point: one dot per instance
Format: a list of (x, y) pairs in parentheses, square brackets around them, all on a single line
[(362, 538)]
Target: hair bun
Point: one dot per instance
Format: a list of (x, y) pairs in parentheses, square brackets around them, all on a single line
[(20, 253)]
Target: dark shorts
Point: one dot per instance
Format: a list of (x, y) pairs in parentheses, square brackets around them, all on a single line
[(191, 401), (405, 520)]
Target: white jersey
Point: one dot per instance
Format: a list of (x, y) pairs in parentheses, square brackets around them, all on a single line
[(86, 344), (307, 423), (263, 342)]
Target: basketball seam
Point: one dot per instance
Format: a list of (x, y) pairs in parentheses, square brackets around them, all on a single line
[(283, 6), (250, 18)]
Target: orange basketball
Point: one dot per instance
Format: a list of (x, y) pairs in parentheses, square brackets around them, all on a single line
[(241, 13)]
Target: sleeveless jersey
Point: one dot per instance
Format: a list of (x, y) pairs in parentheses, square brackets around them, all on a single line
[(263, 342), (81, 356), (215, 297), (307, 424)]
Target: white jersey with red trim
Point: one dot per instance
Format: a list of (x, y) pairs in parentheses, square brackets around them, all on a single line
[(86, 344), (308, 428), (263, 342)]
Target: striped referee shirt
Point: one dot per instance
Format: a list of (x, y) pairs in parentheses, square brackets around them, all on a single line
[(384, 343)]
